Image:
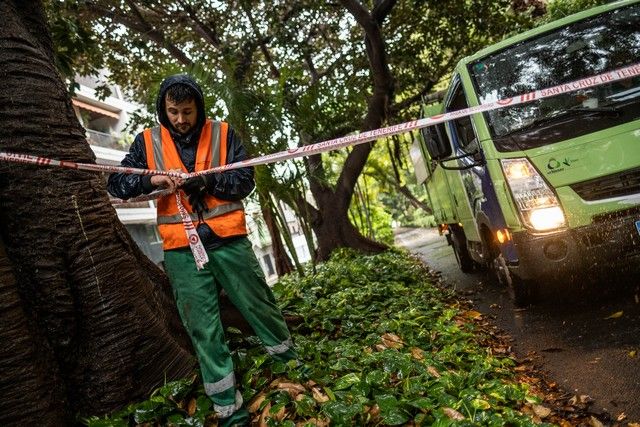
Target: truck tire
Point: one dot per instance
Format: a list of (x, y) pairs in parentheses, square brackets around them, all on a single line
[(459, 244)]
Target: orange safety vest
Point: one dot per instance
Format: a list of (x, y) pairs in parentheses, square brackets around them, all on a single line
[(225, 218)]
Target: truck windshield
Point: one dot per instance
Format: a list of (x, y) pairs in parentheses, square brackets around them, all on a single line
[(582, 49)]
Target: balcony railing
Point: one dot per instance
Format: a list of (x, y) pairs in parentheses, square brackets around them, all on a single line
[(103, 140)]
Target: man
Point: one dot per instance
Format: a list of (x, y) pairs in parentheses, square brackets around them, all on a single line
[(188, 142)]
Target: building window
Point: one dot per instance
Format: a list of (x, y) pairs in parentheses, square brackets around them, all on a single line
[(266, 258)]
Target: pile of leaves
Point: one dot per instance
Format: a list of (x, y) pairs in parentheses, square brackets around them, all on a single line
[(380, 343)]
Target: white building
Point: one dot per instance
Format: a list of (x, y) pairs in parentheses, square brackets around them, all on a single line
[(105, 121)]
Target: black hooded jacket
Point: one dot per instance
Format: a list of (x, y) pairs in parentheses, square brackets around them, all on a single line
[(230, 185)]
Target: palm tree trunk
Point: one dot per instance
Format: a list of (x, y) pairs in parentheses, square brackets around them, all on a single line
[(88, 322)]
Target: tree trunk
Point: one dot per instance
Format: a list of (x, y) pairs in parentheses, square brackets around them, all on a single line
[(87, 321), (337, 231), (282, 262)]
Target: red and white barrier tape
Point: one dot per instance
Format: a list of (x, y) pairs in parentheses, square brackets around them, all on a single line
[(356, 139), (324, 146), (197, 248), (333, 144), (43, 161)]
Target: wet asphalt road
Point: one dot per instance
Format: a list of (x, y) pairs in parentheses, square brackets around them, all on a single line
[(569, 338)]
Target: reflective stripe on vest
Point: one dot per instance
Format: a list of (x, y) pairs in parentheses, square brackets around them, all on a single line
[(217, 211), (156, 140)]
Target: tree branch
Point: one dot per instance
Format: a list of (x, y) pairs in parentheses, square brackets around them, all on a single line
[(261, 41), (207, 32), (362, 16), (141, 26), (378, 103), (382, 10)]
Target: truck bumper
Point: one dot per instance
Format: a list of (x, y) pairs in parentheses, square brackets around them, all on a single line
[(610, 243)]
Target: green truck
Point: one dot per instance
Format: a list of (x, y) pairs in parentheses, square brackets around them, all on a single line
[(545, 192)]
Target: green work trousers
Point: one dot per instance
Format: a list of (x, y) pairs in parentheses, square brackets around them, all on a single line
[(234, 268)]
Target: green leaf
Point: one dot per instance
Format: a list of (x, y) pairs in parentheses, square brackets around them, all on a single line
[(423, 403), (346, 381), (480, 404), (305, 406), (145, 412), (341, 412), (277, 407), (177, 419), (100, 422), (278, 368), (329, 393), (376, 378), (395, 416), (386, 402), (175, 389)]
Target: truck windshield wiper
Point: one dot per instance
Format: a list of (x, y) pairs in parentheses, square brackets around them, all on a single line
[(611, 112)]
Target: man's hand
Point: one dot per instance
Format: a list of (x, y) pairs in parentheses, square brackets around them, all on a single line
[(168, 182), (196, 190)]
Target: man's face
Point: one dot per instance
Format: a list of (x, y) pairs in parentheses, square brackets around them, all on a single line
[(183, 115)]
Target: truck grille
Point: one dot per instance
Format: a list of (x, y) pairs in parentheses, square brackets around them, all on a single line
[(606, 187)]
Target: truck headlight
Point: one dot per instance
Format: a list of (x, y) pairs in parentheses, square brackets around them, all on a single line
[(536, 202)]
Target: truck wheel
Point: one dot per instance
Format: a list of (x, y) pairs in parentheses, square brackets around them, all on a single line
[(459, 244), (522, 292)]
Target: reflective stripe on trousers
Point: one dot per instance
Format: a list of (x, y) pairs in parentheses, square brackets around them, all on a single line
[(219, 386), (227, 410)]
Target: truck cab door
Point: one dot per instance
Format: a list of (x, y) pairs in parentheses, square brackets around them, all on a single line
[(467, 182)]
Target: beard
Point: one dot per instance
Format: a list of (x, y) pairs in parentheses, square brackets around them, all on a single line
[(184, 128)]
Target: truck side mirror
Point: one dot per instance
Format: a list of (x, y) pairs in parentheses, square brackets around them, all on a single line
[(436, 141)]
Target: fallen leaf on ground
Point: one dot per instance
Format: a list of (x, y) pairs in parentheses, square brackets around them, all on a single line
[(292, 388), (262, 422), (255, 403), (392, 341), (472, 314), (381, 347), (375, 411), (433, 371), (541, 411), (191, 407), (266, 414), (582, 399), (453, 414), (594, 422), (313, 422), (633, 353), (417, 353), (615, 315), (319, 396), (621, 416), (277, 381)]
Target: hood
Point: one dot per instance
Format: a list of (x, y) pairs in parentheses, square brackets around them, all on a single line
[(162, 115)]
